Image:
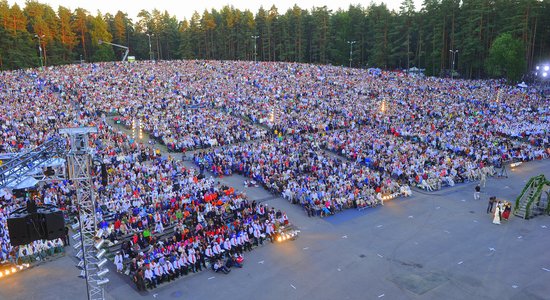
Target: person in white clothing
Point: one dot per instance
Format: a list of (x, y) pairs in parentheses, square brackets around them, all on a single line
[(496, 216), (150, 278), (168, 270), (227, 245), (176, 266), (209, 253), (234, 243), (217, 250), (159, 274), (184, 265), (118, 261), (269, 230)]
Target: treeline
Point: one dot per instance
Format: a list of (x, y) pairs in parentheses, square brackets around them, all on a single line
[(376, 36)]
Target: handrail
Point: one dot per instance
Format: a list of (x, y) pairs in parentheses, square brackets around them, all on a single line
[(528, 185), (532, 199), (537, 182)]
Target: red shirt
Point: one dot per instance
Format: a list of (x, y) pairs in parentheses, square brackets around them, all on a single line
[(117, 224)]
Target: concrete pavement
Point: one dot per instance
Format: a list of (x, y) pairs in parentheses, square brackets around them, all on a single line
[(439, 245)]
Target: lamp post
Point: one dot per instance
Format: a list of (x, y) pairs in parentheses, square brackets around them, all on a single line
[(40, 48), (453, 55), (150, 51), (255, 37), (351, 51)]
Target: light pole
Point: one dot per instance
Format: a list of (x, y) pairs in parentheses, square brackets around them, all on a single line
[(255, 37), (150, 51), (351, 51), (453, 55), (40, 48)]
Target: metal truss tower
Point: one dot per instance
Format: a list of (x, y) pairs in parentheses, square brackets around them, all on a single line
[(79, 168)]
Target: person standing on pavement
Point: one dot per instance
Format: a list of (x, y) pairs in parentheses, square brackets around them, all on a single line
[(500, 209), (496, 216), (139, 280), (477, 192), (66, 239), (491, 203), (483, 179)]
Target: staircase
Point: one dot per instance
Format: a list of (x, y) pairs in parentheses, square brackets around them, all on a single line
[(528, 203), (521, 211)]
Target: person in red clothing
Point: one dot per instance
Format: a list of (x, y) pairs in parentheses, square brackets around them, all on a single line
[(117, 225)]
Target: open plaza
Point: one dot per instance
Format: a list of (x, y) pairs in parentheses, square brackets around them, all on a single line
[(439, 245)]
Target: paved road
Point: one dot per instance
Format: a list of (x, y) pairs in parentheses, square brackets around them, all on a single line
[(438, 245)]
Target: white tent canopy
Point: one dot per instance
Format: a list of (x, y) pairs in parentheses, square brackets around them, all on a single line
[(54, 162), (27, 182)]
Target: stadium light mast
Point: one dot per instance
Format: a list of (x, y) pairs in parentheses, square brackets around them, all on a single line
[(149, 35), (453, 55), (80, 164), (255, 37), (40, 37), (351, 51)]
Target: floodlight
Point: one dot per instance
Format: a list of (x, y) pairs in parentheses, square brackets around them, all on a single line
[(546, 68), (102, 263), (544, 74), (102, 281), (537, 67), (101, 253), (102, 272), (77, 246), (99, 244)]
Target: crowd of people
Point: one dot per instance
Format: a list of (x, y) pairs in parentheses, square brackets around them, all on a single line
[(188, 131), (214, 233), (325, 137), (303, 173)]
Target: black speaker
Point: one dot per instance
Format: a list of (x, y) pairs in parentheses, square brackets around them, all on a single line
[(54, 224), (18, 230), (48, 224), (35, 226)]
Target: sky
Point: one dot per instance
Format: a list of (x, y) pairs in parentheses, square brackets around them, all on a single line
[(185, 8)]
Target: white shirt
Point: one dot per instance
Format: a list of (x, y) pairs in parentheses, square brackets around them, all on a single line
[(148, 274)]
